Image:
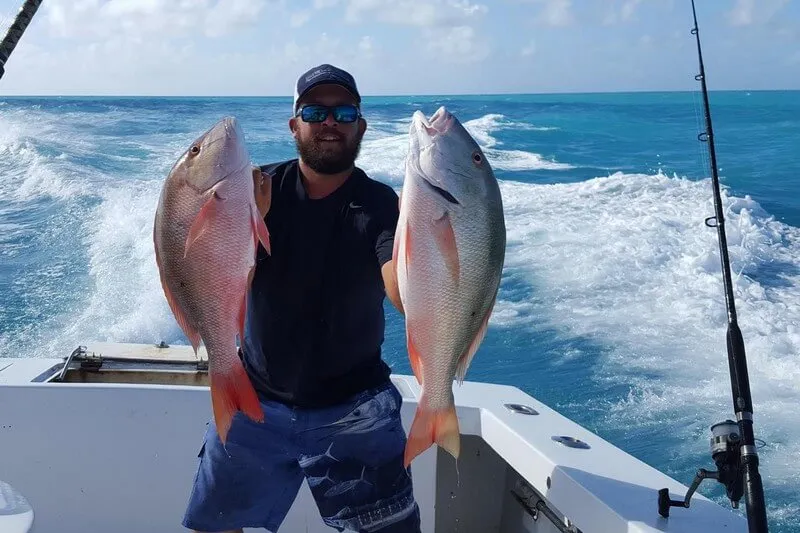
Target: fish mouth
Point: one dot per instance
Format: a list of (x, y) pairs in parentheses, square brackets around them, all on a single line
[(425, 132), (424, 135), (439, 123)]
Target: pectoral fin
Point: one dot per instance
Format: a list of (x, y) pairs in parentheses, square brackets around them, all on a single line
[(446, 240), (204, 217), (260, 229)]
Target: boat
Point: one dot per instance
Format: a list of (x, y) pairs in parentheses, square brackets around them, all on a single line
[(106, 438)]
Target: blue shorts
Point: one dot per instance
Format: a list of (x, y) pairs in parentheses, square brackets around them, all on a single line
[(351, 454)]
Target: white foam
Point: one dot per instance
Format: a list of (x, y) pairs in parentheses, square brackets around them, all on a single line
[(627, 261), (519, 160), (25, 173), (481, 129), (122, 298), (126, 301), (383, 151)]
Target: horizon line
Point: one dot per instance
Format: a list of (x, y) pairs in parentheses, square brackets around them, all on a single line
[(399, 95)]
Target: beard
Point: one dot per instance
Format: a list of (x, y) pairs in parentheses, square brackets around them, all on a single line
[(326, 157)]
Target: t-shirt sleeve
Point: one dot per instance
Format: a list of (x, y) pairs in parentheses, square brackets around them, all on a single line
[(386, 217)]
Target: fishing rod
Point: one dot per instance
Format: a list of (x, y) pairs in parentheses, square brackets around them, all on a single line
[(733, 446), (15, 31)]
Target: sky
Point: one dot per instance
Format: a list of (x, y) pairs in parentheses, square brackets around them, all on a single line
[(416, 47)]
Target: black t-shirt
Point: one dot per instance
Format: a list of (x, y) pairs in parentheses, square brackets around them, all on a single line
[(315, 320)]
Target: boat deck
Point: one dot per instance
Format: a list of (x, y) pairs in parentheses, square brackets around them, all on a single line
[(111, 441)]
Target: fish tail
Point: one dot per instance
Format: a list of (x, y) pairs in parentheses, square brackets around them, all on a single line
[(433, 426), (232, 391)]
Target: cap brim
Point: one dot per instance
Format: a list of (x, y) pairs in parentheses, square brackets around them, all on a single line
[(311, 87)]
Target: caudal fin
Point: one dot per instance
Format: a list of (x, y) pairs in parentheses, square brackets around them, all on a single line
[(230, 392), (429, 427)]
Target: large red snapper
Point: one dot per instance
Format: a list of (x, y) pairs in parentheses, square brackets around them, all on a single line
[(206, 233), (448, 255)]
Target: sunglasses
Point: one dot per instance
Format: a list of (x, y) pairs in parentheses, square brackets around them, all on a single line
[(318, 113)]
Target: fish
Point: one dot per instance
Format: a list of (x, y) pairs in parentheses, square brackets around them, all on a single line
[(448, 257), (206, 233)]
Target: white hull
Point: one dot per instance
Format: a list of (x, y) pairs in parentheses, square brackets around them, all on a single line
[(116, 450)]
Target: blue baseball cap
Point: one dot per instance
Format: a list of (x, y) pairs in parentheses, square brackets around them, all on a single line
[(323, 74)]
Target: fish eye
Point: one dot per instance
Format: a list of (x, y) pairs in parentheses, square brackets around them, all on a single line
[(476, 158), (195, 149)]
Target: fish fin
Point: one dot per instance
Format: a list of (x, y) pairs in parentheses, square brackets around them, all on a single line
[(413, 356), (191, 333), (232, 391), (204, 216), (446, 239), (466, 358), (261, 230), (440, 427)]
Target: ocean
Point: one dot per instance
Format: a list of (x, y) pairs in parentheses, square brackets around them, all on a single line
[(611, 308)]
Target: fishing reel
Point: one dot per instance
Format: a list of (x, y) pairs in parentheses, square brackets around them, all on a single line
[(726, 443)]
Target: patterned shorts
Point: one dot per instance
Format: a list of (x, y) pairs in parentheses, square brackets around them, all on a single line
[(350, 454)]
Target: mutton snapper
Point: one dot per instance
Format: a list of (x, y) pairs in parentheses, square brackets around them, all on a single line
[(449, 253), (206, 234)]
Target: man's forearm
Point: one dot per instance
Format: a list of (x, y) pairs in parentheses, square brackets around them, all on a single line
[(390, 284)]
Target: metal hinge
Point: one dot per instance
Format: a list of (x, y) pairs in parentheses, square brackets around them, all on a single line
[(67, 360), (88, 361), (91, 361)]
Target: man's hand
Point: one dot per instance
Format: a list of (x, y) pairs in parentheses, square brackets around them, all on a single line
[(390, 284), (262, 185)]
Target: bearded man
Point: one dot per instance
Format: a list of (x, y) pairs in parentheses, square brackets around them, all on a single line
[(312, 341)]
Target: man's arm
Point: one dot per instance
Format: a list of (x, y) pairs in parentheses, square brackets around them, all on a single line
[(390, 283), (384, 247)]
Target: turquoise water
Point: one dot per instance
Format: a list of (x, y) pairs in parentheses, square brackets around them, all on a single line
[(611, 308)]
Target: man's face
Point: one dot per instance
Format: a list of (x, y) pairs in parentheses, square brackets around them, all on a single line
[(328, 147)]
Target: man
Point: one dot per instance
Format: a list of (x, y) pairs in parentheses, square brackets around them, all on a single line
[(313, 337)]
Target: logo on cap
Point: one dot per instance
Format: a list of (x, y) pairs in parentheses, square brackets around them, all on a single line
[(317, 73)]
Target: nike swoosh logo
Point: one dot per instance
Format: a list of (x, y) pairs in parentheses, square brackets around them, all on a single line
[(354, 205)]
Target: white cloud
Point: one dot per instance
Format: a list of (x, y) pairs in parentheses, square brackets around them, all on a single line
[(628, 9), (414, 12), (162, 67), (556, 12), (137, 19), (742, 13), (528, 50), (366, 47), (299, 18), (750, 12), (459, 44), (260, 46)]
